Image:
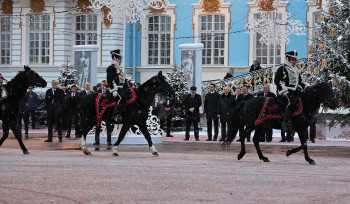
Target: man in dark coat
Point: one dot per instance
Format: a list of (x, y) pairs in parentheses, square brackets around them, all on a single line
[(211, 103), (232, 124), (289, 85), (255, 66), (26, 108), (226, 103), (109, 126), (86, 90), (166, 112), (72, 94), (192, 103), (53, 98), (245, 97), (267, 131)]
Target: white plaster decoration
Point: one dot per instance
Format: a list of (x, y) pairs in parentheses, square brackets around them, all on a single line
[(254, 10), (224, 10), (130, 11)]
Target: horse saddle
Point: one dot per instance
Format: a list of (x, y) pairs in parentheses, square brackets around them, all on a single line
[(105, 101), (275, 108)]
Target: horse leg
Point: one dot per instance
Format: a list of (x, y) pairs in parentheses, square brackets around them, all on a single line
[(85, 128), (303, 139), (256, 140), (14, 128), (294, 150), (247, 130), (5, 132), (145, 132), (121, 136)]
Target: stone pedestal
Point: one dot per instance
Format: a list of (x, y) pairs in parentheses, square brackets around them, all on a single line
[(85, 62), (191, 64)]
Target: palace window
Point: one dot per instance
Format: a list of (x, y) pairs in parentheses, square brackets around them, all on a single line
[(39, 39), (86, 30), (213, 37), (159, 39), (5, 54), (315, 19)]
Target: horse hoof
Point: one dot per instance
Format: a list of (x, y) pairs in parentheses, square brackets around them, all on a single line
[(266, 159), (115, 154), (26, 152), (155, 153), (87, 153), (288, 153), (241, 155), (312, 162)]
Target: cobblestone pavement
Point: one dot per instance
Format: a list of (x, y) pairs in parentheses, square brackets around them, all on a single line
[(185, 172)]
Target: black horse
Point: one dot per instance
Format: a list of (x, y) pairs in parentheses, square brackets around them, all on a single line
[(135, 113), (16, 89), (250, 110)]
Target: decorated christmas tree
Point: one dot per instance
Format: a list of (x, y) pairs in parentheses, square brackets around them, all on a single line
[(329, 52), (177, 81), (67, 75)]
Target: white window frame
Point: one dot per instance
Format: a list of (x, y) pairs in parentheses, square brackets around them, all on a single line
[(6, 33), (255, 9), (313, 9), (164, 40), (86, 32), (224, 10), (43, 31), (170, 12), (213, 30)]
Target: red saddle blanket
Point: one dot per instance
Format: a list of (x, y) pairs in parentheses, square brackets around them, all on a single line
[(104, 102), (274, 108)]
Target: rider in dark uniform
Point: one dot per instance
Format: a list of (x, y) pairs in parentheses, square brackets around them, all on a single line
[(117, 83), (289, 84)]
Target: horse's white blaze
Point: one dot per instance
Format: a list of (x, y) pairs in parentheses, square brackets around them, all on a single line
[(115, 149), (153, 149)]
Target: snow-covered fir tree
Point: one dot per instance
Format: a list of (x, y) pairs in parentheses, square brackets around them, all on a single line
[(67, 75), (177, 81), (329, 52)]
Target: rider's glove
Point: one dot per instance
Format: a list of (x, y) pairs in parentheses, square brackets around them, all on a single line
[(115, 93)]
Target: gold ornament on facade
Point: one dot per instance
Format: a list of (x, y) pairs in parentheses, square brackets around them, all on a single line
[(7, 7), (309, 50), (332, 34), (211, 6), (319, 4), (106, 20), (158, 11), (266, 5), (84, 6), (346, 57), (320, 46), (37, 6)]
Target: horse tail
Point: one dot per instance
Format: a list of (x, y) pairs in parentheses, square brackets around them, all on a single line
[(234, 125), (66, 113)]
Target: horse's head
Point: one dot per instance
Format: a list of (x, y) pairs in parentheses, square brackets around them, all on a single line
[(326, 94), (33, 78), (163, 86)]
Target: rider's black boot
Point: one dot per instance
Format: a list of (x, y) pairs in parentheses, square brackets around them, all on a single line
[(117, 115), (286, 121)]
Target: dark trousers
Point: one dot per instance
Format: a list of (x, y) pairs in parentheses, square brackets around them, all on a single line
[(166, 119), (109, 127), (25, 117), (289, 136), (312, 131), (195, 126), (50, 121), (224, 127), (216, 127), (266, 134), (76, 126)]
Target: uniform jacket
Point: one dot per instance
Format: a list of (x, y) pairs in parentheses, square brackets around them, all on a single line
[(29, 102), (193, 102), (211, 103), (282, 80), (269, 94), (115, 75), (53, 100), (226, 103)]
